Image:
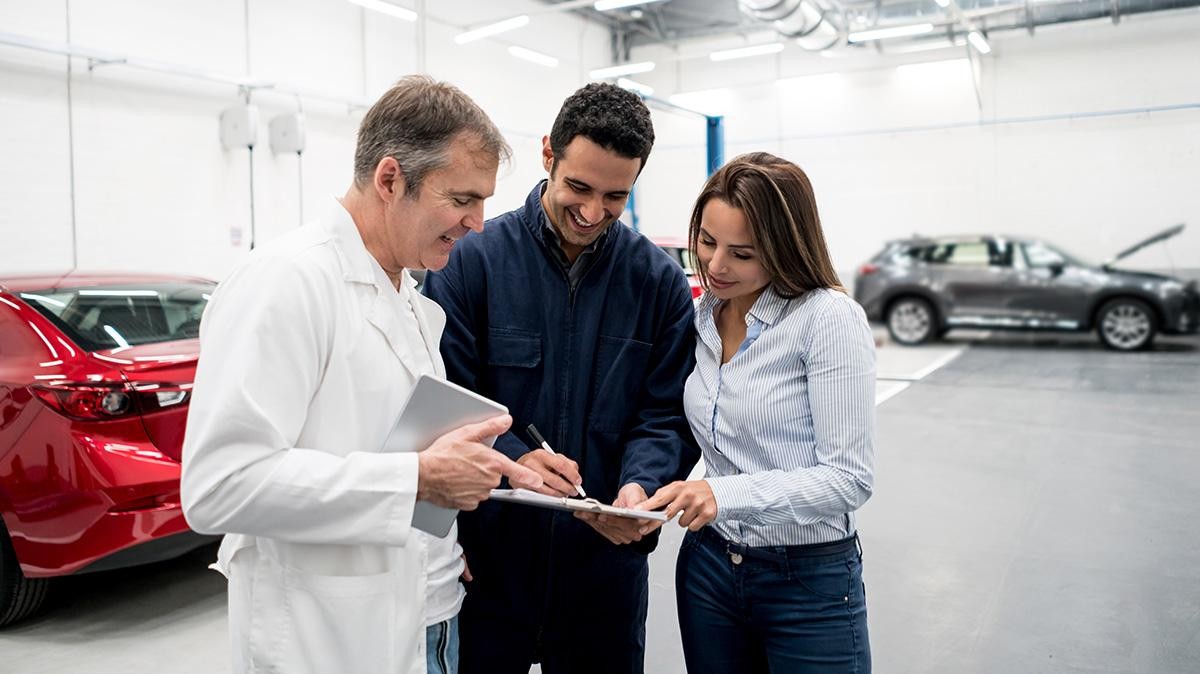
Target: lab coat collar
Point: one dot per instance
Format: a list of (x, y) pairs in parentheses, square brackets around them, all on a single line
[(359, 266)]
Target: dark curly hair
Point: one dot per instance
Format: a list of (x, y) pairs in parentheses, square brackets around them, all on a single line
[(613, 118)]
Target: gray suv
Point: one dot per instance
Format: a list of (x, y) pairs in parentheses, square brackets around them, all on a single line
[(922, 287)]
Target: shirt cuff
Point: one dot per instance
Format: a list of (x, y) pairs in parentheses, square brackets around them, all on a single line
[(734, 495)]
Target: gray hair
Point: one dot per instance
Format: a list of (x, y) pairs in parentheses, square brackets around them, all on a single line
[(414, 122)]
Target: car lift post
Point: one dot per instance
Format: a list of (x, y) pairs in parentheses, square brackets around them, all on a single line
[(714, 146)]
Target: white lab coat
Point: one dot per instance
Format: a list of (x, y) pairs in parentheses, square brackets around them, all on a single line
[(303, 371)]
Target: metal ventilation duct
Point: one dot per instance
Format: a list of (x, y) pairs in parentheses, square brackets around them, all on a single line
[(806, 22), (821, 24)]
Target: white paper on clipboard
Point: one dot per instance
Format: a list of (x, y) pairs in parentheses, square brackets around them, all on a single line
[(586, 505)]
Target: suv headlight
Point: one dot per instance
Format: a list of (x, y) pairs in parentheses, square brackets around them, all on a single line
[(1170, 288)]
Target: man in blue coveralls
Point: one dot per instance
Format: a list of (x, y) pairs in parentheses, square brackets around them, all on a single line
[(583, 328)]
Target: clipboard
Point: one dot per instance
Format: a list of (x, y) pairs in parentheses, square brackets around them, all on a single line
[(586, 505), (435, 407)]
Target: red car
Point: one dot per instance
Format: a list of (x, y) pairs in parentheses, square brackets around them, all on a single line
[(95, 379), (678, 250)]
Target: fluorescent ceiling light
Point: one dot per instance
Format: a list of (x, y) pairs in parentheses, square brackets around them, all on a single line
[(492, 29), (618, 71), (626, 83), (533, 56), (893, 31), (942, 3), (387, 8), (606, 5), (979, 42), (746, 52)]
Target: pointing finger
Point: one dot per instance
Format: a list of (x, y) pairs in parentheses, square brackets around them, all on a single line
[(519, 476)]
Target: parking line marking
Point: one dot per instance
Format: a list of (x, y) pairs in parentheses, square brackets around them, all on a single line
[(925, 371), (881, 398), (939, 363)]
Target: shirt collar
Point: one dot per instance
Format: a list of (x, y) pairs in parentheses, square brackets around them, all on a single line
[(768, 306)]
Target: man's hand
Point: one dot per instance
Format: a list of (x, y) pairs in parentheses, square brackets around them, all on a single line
[(619, 530), (459, 471), (559, 474), (693, 498)]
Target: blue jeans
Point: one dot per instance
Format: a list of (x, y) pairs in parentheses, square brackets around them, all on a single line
[(793, 613), (441, 647)]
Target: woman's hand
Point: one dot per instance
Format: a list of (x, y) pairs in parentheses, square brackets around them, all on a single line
[(693, 498)]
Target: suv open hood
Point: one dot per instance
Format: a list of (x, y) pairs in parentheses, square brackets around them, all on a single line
[(1161, 236)]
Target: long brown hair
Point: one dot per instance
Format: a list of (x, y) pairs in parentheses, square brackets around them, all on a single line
[(778, 201)]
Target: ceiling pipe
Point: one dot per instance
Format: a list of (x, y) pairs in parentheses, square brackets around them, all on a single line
[(814, 25)]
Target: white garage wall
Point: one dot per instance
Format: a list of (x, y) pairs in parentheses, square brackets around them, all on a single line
[(153, 188), (896, 151)]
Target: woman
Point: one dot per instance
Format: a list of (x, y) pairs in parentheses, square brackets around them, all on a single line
[(769, 577)]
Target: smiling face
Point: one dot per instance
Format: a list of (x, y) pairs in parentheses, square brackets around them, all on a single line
[(587, 191), (726, 250), (420, 229)]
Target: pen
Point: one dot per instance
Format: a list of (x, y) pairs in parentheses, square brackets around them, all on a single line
[(537, 437)]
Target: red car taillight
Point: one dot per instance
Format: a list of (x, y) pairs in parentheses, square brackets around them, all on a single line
[(868, 269), (96, 401)]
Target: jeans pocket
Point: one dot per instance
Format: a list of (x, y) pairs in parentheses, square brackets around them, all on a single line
[(827, 580)]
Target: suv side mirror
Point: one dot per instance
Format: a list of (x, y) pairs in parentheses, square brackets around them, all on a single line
[(1056, 268)]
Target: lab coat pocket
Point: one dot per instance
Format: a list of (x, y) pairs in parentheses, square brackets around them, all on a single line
[(306, 622)]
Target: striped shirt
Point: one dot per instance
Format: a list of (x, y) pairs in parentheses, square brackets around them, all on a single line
[(787, 425)]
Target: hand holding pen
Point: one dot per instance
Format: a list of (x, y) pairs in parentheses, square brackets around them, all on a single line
[(560, 475)]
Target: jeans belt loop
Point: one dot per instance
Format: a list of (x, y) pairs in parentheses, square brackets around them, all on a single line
[(739, 551)]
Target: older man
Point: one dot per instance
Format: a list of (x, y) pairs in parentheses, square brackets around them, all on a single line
[(310, 348)]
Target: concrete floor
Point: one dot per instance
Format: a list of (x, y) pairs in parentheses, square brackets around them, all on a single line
[(1034, 512)]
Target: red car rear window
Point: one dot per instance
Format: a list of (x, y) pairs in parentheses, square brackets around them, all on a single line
[(113, 316)]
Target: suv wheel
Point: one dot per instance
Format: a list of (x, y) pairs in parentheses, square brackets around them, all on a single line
[(19, 596), (1126, 324), (911, 320)]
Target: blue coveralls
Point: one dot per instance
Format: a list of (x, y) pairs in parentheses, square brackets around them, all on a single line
[(600, 371)]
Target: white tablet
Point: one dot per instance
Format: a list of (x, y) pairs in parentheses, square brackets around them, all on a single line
[(436, 407)]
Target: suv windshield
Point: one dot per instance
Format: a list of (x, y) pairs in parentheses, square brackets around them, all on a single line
[(116, 316)]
